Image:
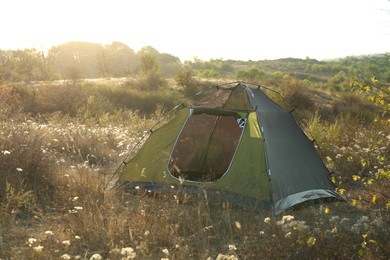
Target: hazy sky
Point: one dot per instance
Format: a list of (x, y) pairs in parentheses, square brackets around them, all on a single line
[(207, 29)]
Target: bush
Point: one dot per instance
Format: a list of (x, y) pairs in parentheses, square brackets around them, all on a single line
[(187, 82), (356, 106)]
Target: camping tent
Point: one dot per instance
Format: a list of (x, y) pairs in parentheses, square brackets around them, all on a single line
[(238, 143)]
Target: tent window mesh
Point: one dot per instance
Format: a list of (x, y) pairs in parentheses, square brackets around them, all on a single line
[(205, 147)]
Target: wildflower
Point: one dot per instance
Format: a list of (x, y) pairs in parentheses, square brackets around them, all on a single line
[(267, 220), (226, 257), (238, 225), (31, 241), (147, 232), (287, 218), (262, 233), (338, 156), (137, 187), (6, 152), (287, 235), (115, 251), (38, 249), (165, 251), (311, 241), (78, 208), (232, 248), (345, 223), (49, 233), (66, 257), (75, 198), (128, 252), (77, 237), (96, 257), (19, 169), (66, 242)]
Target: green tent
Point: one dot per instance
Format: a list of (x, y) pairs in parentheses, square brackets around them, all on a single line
[(236, 143)]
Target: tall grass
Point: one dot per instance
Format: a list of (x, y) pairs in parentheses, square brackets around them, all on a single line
[(55, 204)]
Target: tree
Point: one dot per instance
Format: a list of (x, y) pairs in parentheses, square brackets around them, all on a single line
[(150, 76), (76, 56), (119, 59)]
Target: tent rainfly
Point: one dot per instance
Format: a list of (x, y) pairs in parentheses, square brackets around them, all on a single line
[(238, 143)]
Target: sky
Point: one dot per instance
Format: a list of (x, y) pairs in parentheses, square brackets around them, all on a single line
[(206, 29)]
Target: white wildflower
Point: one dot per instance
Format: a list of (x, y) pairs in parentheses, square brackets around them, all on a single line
[(75, 198), (31, 241), (77, 237), (262, 233), (287, 218), (226, 257), (6, 152), (238, 225), (66, 257), (287, 235), (232, 248), (128, 252), (115, 251), (267, 220), (49, 233), (165, 251), (66, 242), (334, 230), (96, 257), (38, 249), (147, 232), (78, 208), (19, 169)]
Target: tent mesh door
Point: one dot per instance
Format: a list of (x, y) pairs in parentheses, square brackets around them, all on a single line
[(205, 147)]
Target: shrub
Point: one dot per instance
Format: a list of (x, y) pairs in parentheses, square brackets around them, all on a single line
[(187, 82), (297, 95)]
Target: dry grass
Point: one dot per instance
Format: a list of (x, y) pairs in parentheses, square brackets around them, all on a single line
[(54, 204)]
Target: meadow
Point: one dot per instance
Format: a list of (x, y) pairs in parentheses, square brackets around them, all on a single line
[(55, 203)]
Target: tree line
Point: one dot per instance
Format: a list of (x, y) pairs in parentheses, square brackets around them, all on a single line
[(77, 60), (81, 60)]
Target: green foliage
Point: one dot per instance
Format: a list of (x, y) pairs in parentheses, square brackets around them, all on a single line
[(296, 94), (150, 77), (189, 84), (16, 203), (252, 74), (208, 74)]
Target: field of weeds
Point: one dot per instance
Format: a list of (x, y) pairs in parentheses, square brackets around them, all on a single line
[(56, 201)]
